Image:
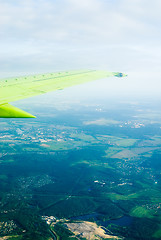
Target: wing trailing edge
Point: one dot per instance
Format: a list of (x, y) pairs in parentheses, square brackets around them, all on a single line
[(9, 111)]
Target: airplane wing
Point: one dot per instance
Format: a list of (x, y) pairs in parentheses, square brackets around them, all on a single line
[(14, 89)]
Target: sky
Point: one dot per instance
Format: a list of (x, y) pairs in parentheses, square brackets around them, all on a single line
[(53, 35)]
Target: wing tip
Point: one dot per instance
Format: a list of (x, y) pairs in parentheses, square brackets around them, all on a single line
[(120, 74)]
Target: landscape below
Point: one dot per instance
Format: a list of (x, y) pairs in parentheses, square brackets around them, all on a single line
[(88, 172)]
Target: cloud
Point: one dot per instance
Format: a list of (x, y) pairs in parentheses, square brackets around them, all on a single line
[(44, 34), (79, 22), (101, 122)]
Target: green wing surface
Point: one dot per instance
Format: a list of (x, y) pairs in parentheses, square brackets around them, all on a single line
[(14, 89)]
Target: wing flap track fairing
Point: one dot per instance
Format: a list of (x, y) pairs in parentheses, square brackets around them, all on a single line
[(9, 111)]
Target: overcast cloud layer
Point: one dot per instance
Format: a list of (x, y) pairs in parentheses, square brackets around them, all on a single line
[(47, 35)]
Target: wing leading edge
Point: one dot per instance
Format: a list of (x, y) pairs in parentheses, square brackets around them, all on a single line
[(14, 89)]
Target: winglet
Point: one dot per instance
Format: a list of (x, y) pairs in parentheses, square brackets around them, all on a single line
[(9, 111), (119, 74)]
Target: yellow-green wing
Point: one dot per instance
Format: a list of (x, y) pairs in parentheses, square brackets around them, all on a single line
[(14, 89)]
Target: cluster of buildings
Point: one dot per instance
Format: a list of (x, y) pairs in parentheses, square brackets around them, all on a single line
[(49, 219)]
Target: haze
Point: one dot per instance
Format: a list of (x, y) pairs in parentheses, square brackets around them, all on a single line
[(116, 35)]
